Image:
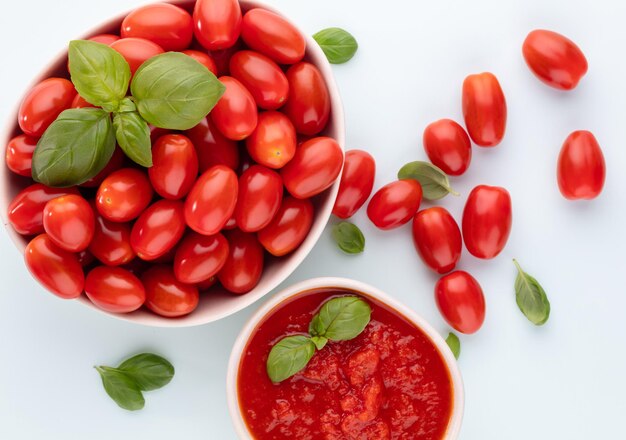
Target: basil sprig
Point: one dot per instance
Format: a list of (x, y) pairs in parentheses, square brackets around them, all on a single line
[(338, 45), (349, 238), (530, 297), (454, 343), (435, 183)]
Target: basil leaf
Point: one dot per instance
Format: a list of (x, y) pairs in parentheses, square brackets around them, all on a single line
[(148, 371), (133, 137), (174, 91), (455, 345), (74, 148), (121, 388), (435, 183), (99, 73), (288, 356), (319, 341), (349, 238), (127, 105), (341, 319), (338, 45), (530, 297)]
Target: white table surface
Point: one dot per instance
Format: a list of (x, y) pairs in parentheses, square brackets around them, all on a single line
[(564, 380)]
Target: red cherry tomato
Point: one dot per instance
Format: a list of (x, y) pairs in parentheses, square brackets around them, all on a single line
[(244, 264), (314, 168), (231, 223), (80, 102), (581, 169), (43, 104), (484, 109), (114, 289), (166, 296), (123, 195), (357, 181), (260, 194), (487, 220), (107, 39), (437, 239), (57, 270), (69, 221), (115, 163), (19, 154), (272, 35), (162, 23), (308, 104), (200, 257), (235, 114), (461, 301), (85, 258), (448, 146), (554, 59), (203, 58), (264, 78), (395, 204), (206, 285), (136, 51), (222, 57), (217, 23), (111, 242), (158, 229), (273, 142), (212, 147), (212, 200), (175, 166), (288, 228)]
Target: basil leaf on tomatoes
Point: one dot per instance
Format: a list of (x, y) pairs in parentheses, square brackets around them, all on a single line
[(435, 183), (454, 343), (121, 388), (133, 136), (148, 371), (289, 356), (338, 45), (349, 238), (530, 297), (341, 319)]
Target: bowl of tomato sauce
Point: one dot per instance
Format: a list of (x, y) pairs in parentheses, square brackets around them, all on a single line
[(397, 379)]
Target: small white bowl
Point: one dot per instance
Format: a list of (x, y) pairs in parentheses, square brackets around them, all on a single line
[(458, 401)]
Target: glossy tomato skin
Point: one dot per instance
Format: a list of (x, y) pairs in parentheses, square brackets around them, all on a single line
[(437, 239), (260, 194), (448, 146), (217, 23), (235, 114), (222, 57), (357, 181), (581, 170), (264, 78), (484, 109), (123, 195), (167, 25), (114, 289), (115, 163), (166, 296), (111, 242), (273, 142), (158, 229), (395, 204), (288, 228), (244, 264), (487, 220), (308, 104), (554, 59), (272, 35), (212, 147), (136, 51), (200, 257), (69, 221), (43, 104), (56, 269), (19, 154), (107, 39), (314, 167), (461, 302), (174, 166), (203, 58)]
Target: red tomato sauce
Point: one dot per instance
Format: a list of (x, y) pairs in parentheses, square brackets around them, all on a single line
[(390, 382)]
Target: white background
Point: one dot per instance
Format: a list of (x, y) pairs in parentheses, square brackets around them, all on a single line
[(564, 380)]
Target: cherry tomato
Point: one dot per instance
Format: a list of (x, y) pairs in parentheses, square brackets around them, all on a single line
[(437, 239), (448, 146), (260, 194), (231, 223), (115, 163), (222, 57), (217, 23), (157, 132), (461, 301), (206, 285), (80, 102), (69, 221), (315, 167), (123, 195), (167, 25), (288, 228), (166, 296), (487, 220), (272, 35), (235, 114), (107, 39), (158, 229), (264, 78), (581, 169), (203, 58), (19, 154), (357, 181), (308, 104), (273, 142), (554, 59), (175, 166), (136, 51), (43, 104), (212, 147), (395, 204), (56, 269), (114, 289), (244, 264), (212, 200), (484, 109), (200, 257), (111, 242), (85, 258)]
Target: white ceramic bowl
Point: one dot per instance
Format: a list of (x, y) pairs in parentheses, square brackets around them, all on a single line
[(454, 425), (217, 305)]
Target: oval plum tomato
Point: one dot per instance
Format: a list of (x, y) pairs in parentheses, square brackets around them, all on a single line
[(308, 104), (357, 181), (487, 219), (203, 58), (111, 242), (200, 257), (273, 142), (222, 57), (123, 195), (19, 154), (395, 204), (288, 228), (264, 78), (244, 264), (56, 269), (461, 301), (158, 229), (115, 163), (217, 23), (167, 25), (437, 239), (174, 166), (136, 51), (212, 200), (448, 146), (484, 109), (314, 167), (80, 102), (260, 194), (212, 147), (554, 59), (235, 114), (107, 39), (43, 104), (114, 289), (69, 221), (207, 284), (166, 296), (272, 35), (581, 169)]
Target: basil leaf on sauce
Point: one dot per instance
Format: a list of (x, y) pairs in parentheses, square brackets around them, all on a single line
[(530, 297), (341, 319), (289, 356)]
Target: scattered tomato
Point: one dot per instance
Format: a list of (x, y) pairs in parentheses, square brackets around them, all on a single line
[(448, 146), (212, 147), (395, 204), (123, 195), (437, 239), (69, 221), (273, 142), (244, 264), (200, 257), (217, 23), (19, 154), (136, 51), (461, 301), (288, 228), (158, 229), (43, 104), (203, 58), (167, 25), (114, 289), (111, 242), (166, 296), (308, 104), (272, 35), (581, 169), (484, 109), (260, 194), (357, 181), (235, 114), (264, 78), (175, 166)]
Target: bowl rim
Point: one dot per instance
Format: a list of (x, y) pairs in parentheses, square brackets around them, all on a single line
[(241, 429)]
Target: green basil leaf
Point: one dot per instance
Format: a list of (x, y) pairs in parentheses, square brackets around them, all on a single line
[(100, 74), (455, 345), (530, 297), (319, 341), (127, 105), (338, 45), (121, 388), (148, 371), (435, 183), (74, 148), (341, 319), (133, 137), (349, 238), (174, 91), (288, 356)]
